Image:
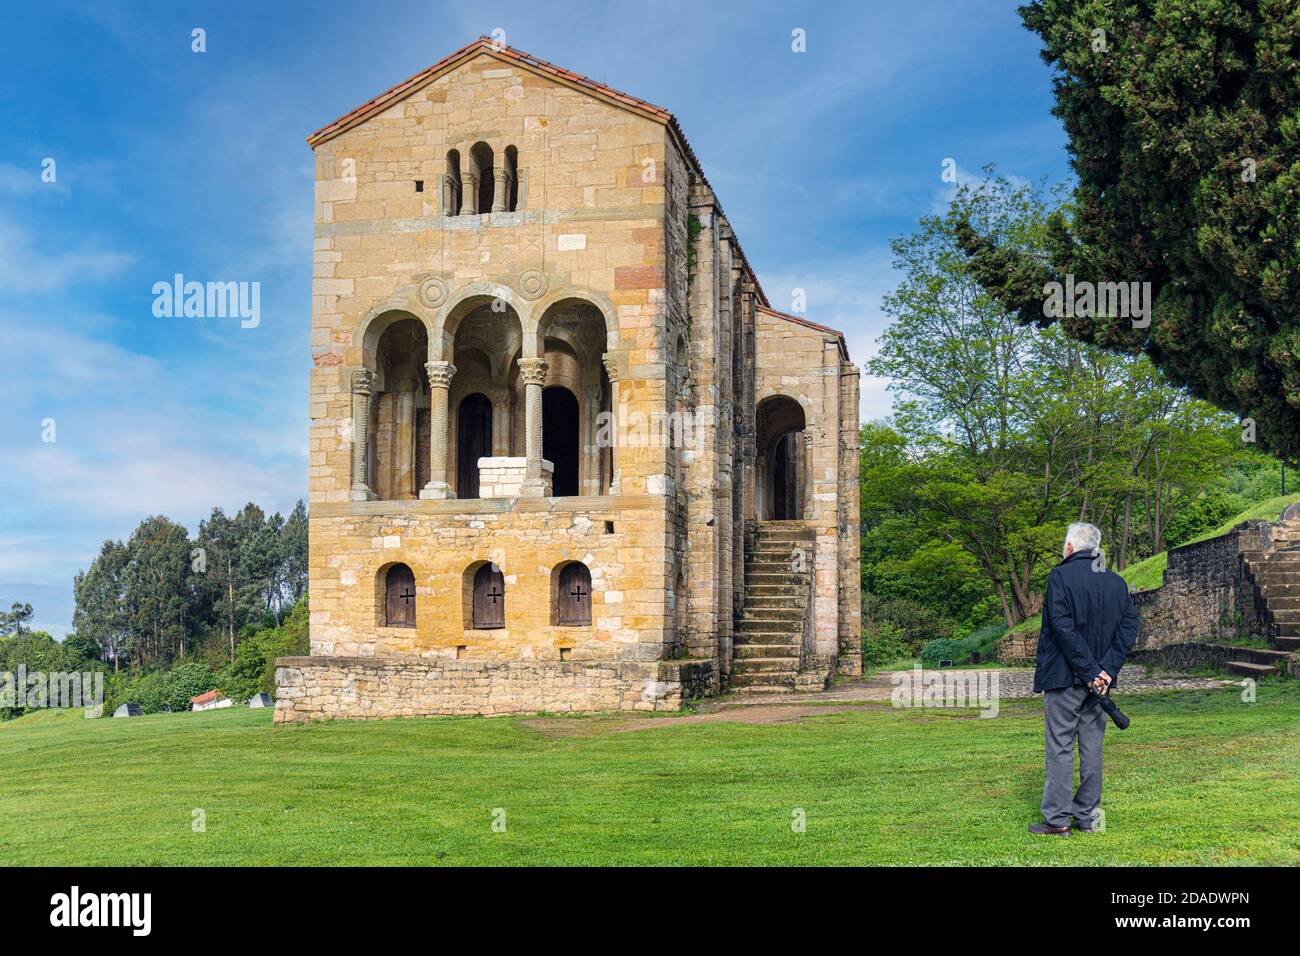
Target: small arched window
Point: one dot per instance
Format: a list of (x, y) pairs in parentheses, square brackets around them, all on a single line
[(399, 597), (489, 598), (512, 178), (451, 184), (573, 598)]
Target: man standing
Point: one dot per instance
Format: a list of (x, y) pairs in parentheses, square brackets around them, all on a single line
[(1089, 626)]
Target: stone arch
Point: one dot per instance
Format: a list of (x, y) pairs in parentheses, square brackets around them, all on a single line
[(586, 296), (368, 329), (782, 461), (465, 300)]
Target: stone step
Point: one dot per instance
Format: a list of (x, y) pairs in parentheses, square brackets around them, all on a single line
[(770, 590), (752, 634), (1288, 629), (1283, 563), (768, 538), (790, 650), (1258, 655), (1290, 644), (773, 614), (783, 566), (1248, 669), (787, 578), (765, 665), (1277, 579), (781, 601), (768, 634), (1285, 615), (1284, 603), (763, 683), (1278, 590), (759, 690)]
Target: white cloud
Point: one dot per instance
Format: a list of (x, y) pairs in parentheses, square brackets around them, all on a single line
[(25, 268)]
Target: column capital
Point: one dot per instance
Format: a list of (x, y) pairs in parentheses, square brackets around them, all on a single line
[(363, 381), (440, 374), (533, 370), (612, 368)]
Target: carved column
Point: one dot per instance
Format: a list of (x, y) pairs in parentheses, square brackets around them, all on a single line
[(501, 190), (468, 194), (363, 386), (536, 484), (449, 195), (616, 419), (440, 376)]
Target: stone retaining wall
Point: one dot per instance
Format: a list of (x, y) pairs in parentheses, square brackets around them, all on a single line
[(1208, 593), (325, 687)]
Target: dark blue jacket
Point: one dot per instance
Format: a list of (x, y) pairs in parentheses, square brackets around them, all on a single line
[(1089, 624)]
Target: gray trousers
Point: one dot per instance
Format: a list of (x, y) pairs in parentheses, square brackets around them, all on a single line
[(1071, 714)]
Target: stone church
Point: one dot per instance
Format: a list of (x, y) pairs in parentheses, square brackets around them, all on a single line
[(564, 454)]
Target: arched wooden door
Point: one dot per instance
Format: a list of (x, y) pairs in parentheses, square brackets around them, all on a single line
[(473, 441), (489, 608), (399, 597)]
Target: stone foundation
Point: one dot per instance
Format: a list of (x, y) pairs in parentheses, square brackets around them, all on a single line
[(322, 687)]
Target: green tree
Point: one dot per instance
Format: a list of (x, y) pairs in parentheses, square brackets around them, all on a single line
[(1183, 120)]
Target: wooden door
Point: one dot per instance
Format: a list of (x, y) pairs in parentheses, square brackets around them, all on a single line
[(574, 600), (489, 598), (473, 441), (399, 603)]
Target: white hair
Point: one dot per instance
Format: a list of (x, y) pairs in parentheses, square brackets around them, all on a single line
[(1084, 536)]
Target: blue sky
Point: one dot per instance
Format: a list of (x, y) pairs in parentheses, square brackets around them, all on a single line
[(172, 161)]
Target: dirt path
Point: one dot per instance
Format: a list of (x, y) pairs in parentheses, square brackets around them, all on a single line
[(1016, 684)]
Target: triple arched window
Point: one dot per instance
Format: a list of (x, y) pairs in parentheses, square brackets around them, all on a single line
[(485, 596), (479, 181)]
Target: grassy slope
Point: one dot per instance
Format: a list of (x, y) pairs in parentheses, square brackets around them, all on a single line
[(1151, 573), (1199, 778)]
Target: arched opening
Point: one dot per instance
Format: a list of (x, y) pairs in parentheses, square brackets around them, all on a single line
[(485, 597), (572, 338), (451, 198), (399, 596), (483, 338), (481, 155), (398, 432), (571, 599), (473, 441), (512, 178), (781, 459), (560, 421)]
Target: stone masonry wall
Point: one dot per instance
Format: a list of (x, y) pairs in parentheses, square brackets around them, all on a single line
[(1208, 592), (320, 688), (1208, 595)]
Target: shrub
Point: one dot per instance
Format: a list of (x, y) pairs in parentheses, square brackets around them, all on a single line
[(942, 649), (185, 681), (883, 644)]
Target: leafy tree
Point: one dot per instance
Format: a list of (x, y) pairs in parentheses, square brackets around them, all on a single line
[(1005, 433), (1183, 119), (186, 680)]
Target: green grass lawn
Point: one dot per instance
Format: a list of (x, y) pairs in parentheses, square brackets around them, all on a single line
[(1199, 778)]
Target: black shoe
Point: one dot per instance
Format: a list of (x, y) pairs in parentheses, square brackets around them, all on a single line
[(1048, 830)]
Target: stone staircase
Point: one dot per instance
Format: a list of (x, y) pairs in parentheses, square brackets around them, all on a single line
[(769, 634), (1276, 574)]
